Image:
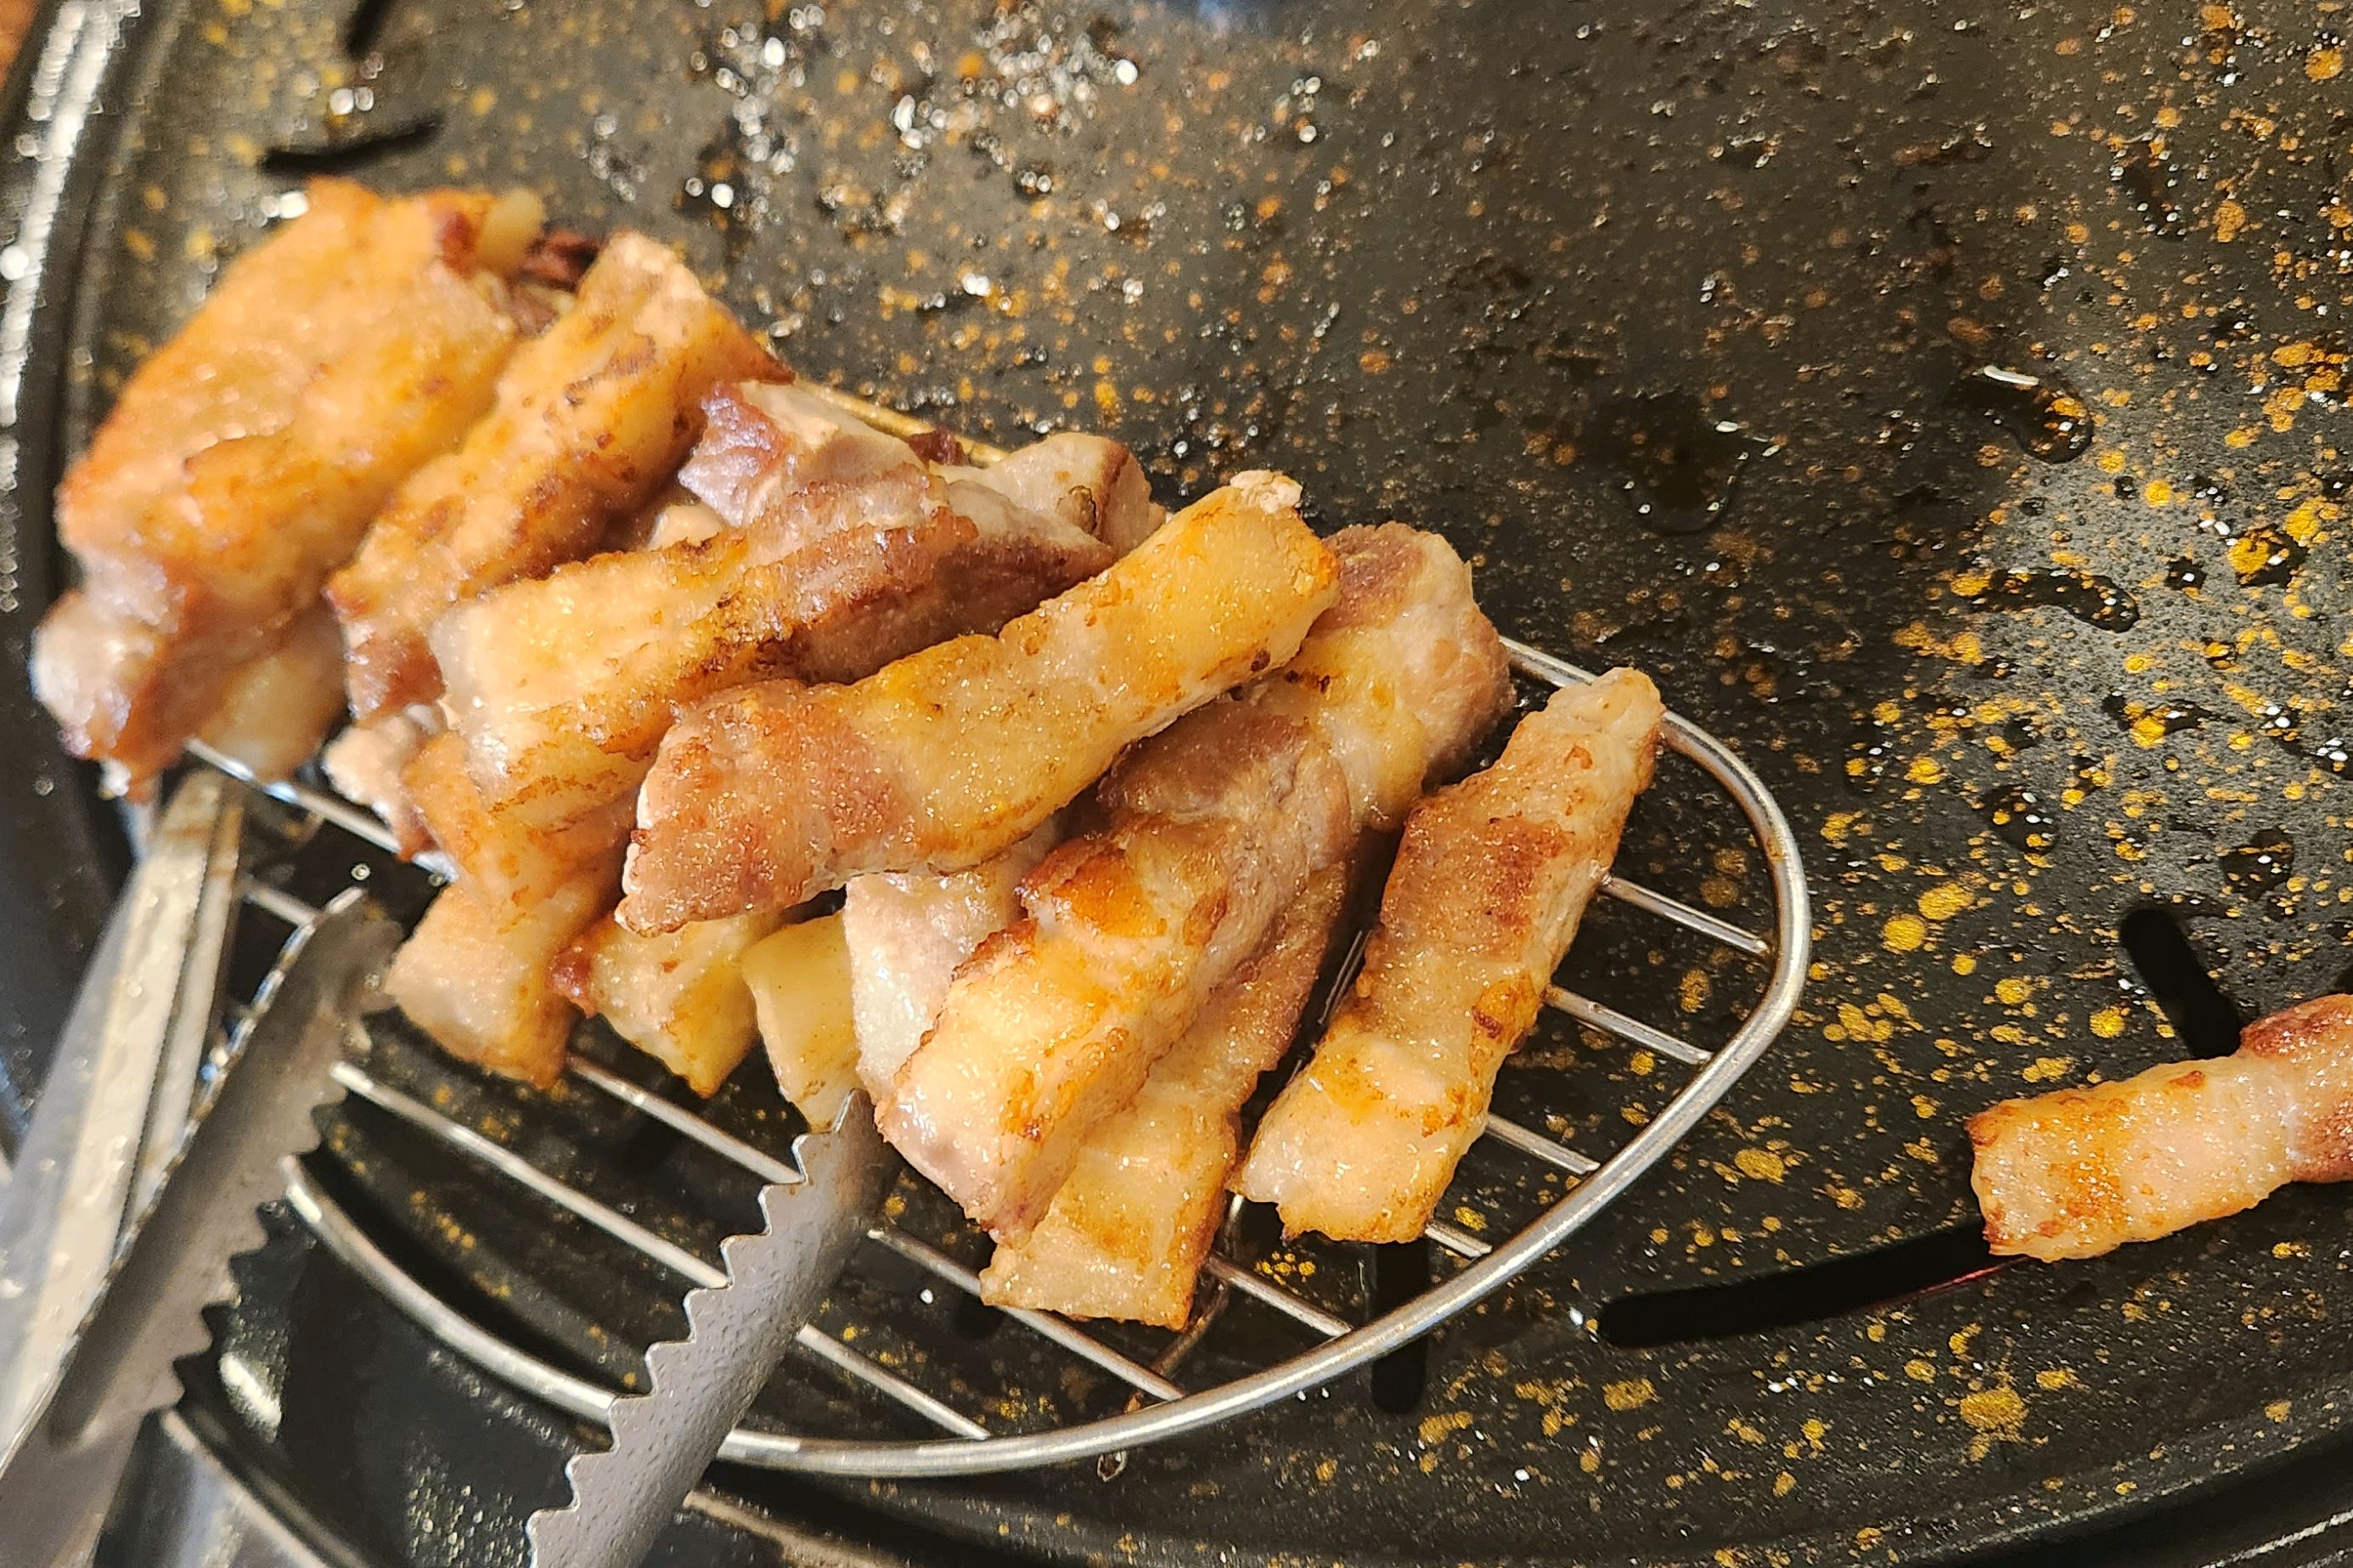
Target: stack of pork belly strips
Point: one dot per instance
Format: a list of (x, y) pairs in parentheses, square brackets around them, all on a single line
[(579, 557)]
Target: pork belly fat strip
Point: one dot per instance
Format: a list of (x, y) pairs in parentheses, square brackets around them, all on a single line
[(1212, 827), (277, 708), (1402, 676), (563, 687), (800, 983), (476, 973), (678, 997), (909, 932), (2081, 1172), (1215, 825), (760, 799), (591, 418), (1127, 1234), (244, 459), (1490, 881)]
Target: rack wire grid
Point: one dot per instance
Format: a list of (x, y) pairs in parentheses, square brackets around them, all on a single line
[(1158, 1406)]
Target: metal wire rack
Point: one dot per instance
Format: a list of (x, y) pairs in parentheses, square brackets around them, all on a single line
[(1159, 1407)]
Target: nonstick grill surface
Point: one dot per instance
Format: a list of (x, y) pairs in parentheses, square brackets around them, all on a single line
[(1679, 324)]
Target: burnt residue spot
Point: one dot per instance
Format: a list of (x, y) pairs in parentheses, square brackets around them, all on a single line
[(2183, 573), (2266, 555), (1810, 1293), (2042, 414), (1400, 1272), (1488, 273), (2259, 865), (2153, 183), (2156, 943), (349, 153), (2094, 600), (1674, 461)]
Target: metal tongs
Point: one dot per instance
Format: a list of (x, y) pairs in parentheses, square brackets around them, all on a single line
[(123, 1219), (698, 1387), (118, 1229)]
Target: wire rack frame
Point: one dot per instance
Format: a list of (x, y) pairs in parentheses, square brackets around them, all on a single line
[(1159, 1408)]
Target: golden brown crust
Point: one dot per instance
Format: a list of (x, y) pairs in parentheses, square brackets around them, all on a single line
[(244, 460), (2079, 1171), (1125, 1235), (677, 998), (563, 687), (591, 418), (1490, 879), (954, 754), (1214, 826)]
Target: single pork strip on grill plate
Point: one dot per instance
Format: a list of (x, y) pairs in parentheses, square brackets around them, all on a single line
[(563, 687), (1127, 1232), (763, 797), (591, 418), (1210, 829), (1490, 881), (2081, 1172), (246, 458)]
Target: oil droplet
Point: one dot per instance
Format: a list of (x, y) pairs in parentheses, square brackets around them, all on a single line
[(1677, 464), (2149, 723), (2152, 180), (2023, 821), (2042, 414), (2265, 554), (2260, 864), (2094, 600)]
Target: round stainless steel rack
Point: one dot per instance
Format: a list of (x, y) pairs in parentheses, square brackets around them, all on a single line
[(1159, 1407)]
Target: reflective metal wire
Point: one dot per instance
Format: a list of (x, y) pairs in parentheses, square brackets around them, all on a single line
[(1160, 1407)]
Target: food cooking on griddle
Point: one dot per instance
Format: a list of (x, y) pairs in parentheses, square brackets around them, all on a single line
[(2081, 1172), (1490, 883), (647, 646)]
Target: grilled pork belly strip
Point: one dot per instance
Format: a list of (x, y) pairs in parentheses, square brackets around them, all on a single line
[(800, 983), (364, 763), (1402, 676), (1490, 881), (277, 708), (244, 459), (476, 973), (591, 418), (1127, 1234), (2081, 1172), (494, 851), (564, 686), (1211, 828), (678, 997), (908, 932), (761, 797)]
